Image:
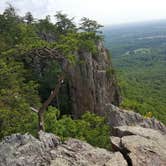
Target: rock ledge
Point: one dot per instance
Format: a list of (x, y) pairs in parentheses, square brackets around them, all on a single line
[(25, 150)]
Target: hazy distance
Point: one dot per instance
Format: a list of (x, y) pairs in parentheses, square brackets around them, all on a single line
[(106, 12)]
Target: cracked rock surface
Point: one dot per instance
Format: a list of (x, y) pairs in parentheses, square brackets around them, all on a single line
[(25, 150), (140, 146)]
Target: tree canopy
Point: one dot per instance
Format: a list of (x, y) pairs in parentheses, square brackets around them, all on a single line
[(31, 53), (88, 25)]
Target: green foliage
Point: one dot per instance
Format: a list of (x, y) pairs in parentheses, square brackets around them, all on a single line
[(88, 25), (67, 44), (139, 58), (64, 24), (96, 132), (16, 97), (47, 81), (17, 121), (29, 18), (14, 88), (10, 12), (26, 79), (46, 30), (90, 128)]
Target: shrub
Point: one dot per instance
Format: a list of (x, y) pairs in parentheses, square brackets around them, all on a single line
[(15, 121), (90, 128)]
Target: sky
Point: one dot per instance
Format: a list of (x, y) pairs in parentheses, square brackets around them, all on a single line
[(106, 12)]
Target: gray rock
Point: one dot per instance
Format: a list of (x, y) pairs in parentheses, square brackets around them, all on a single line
[(148, 133), (92, 83), (25, 150), (50, 140), (58, 161), (120, 117), (80, 153), (115, 143), (22, 150), (144, 151), (116, 160), (141, 146)]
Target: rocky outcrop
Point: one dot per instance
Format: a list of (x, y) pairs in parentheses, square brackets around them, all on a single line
[(140, 146), (120, 117), (25, 150), (142, 141), (132, 145), (92, 83)]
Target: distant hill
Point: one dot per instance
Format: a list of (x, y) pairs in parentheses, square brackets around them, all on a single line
[(139, 56)]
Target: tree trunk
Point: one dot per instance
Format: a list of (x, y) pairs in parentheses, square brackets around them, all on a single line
[(45, 105), (54, 55), (41, 121)]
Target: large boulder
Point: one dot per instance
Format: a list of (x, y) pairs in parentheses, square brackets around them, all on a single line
[(25, 150), (144, 151), (140, 146), (75, 152)]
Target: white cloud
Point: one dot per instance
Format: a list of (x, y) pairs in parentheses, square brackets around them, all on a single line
[(104, 11)]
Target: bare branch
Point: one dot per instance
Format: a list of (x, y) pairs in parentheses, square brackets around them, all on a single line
[(34, 110), (52, 95), (53, 54), (45, 105)]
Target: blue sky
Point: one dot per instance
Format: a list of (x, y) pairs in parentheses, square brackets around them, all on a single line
[(106, 12)]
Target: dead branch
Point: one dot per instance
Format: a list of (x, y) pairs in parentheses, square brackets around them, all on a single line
[(34, 110), (53, 54), (46, 104)]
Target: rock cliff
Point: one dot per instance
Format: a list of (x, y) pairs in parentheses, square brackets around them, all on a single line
[(92, 83)]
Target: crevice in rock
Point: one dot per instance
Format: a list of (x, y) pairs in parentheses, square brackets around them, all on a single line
[(118, 133), (124, 151)]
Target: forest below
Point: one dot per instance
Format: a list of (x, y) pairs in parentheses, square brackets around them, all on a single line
[(139, 57)]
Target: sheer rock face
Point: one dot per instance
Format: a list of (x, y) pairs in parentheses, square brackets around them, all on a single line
[(25, 150), (92, 83), (140, 146)]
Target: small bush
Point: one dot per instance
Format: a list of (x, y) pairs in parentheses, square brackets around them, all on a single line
[(15, 121), (90, 128)]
